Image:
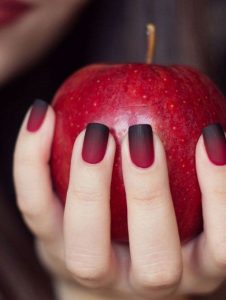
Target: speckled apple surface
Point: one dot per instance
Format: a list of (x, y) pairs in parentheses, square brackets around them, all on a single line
[(177, 101)]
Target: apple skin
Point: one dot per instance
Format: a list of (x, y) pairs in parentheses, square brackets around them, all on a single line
[(177, 101)]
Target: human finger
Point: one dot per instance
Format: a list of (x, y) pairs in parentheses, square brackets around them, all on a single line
[(88, 251), (207, 254), (153, 235), (35, 198)]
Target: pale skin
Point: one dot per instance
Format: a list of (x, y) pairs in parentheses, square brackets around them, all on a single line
[(75, 245)]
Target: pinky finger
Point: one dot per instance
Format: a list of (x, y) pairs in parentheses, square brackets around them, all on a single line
[(40, 208)]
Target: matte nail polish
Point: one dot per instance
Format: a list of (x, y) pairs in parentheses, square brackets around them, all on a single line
[(37, 115), (141, 145), (215, 143), (95, 142)]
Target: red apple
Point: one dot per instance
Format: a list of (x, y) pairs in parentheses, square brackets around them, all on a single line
[(177, 101)]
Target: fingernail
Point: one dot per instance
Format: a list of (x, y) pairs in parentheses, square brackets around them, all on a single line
[(37, 115), (95, 143), (215, 143), (141, 145)]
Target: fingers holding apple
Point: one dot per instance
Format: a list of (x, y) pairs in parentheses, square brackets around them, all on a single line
[(83, 250), (211, 171), (39, 205), (156, 262), (205, 256), (35, 198), (74, 243), (88, 251), (177, 101)]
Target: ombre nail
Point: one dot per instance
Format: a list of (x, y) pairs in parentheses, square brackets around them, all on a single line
[(141, 145), (95, 143), (37, 115), (215, 143)]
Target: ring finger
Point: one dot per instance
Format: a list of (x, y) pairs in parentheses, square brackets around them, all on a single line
[(153, 234)]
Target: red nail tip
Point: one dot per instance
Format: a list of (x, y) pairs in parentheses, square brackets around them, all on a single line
[(215, 144), (37, 115), (95, 143), (141, 145)]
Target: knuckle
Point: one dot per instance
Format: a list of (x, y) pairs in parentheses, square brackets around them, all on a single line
[(29, 209), (206, 289), (158, 193), (89, 275), (85, 193), (219, 257), (146, 195), (219, 193), (159, 280), (25, 159), (86, 267)]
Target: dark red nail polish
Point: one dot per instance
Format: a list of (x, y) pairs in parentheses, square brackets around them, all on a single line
[(37, 115), (141, 145), (95, 142), (215, 144)]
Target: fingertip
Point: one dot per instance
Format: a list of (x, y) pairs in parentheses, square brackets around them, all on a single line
[(39, 118), (211, 146), (80, 146), (203, 163), (200, 152), (111, 144), (35, 137), (78, 143), (159, 157), (125, 150), (211, 175)]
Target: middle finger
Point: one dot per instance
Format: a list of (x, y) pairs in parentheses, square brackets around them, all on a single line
[(87, 213)]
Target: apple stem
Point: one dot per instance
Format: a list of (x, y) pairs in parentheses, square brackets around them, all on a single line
[(150, 43)]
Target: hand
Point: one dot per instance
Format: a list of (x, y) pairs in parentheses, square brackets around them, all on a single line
[(75, 244)]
